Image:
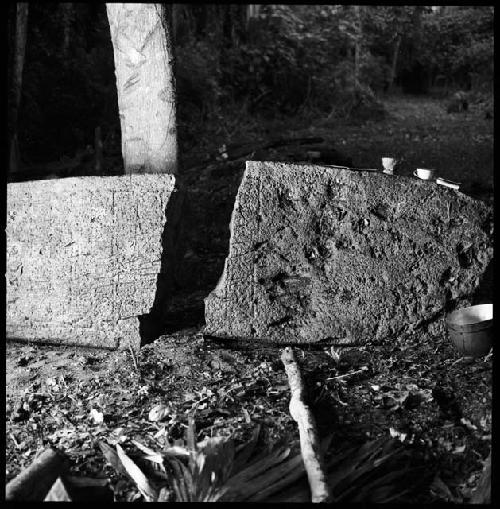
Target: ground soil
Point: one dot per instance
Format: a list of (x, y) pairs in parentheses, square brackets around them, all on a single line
[(418, 388)]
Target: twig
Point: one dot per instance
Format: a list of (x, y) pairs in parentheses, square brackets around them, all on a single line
[(340, 377), (309, 442), (134, 358)]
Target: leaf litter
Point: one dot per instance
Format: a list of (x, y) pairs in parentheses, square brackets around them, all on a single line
[(106, 421)]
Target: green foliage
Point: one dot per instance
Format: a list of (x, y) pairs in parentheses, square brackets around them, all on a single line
[(66, 96), (216, 470), (295, 56), (460, 44), (286, 60), (197, 78)]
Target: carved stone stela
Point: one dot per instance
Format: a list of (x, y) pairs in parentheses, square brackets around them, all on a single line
[(83, 257), (322, 253)]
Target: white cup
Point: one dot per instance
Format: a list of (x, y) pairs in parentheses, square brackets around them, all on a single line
[(425, 174), (388, 164)]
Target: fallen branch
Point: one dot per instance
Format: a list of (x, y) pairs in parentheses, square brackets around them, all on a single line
[(134, 359), (347, 375), (34, 482), (309, 443)]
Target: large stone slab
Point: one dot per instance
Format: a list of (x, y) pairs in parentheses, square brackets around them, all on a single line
[(321, 253), (84, 257)]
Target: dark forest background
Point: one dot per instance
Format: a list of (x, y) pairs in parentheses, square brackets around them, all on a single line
[(239, 62)]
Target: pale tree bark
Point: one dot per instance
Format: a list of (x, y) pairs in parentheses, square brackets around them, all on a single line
[(253, 10), (145, 85), (19, 49), (67, 18), (357, 44), (309, 441), (417, 30), (395, 55), (252, 16)]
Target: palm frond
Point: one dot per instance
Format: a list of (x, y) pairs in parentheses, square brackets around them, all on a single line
[(215, 470), (147, 490), (245, 451)]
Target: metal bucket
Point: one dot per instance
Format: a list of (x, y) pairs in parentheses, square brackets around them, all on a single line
[(471, 329)]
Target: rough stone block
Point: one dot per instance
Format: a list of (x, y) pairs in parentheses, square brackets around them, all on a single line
[(319, 253), (84, 257)]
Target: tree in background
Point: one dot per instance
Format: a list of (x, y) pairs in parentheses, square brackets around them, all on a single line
[(458, 46), (145, 84), (67, 19), (17, 58)]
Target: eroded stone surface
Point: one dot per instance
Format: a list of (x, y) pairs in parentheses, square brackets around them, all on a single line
[(83, 257), (319, 253)]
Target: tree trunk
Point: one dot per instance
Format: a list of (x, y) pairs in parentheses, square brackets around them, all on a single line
[(19, 49), (174, 20), (417, 31), (251, 22), (357, 44), (395, 54), (67, 18), (253, 10), (145, 85)]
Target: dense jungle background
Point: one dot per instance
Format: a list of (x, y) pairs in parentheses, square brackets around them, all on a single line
[(327, 84), (240, 69)]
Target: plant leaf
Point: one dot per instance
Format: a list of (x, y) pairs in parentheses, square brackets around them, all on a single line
[(259, 466), (191, 441), (357, 464), (144, 448), (214, 461), (244, 453), (164, 495), (112, 458), (364, 493), (219, 452), (142, 482), (300, 492), (181, 480), (277, 478), (176, 450), (191, 434)]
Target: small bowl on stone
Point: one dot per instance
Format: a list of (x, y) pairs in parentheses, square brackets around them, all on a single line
[(424, 173), (471, 329)]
